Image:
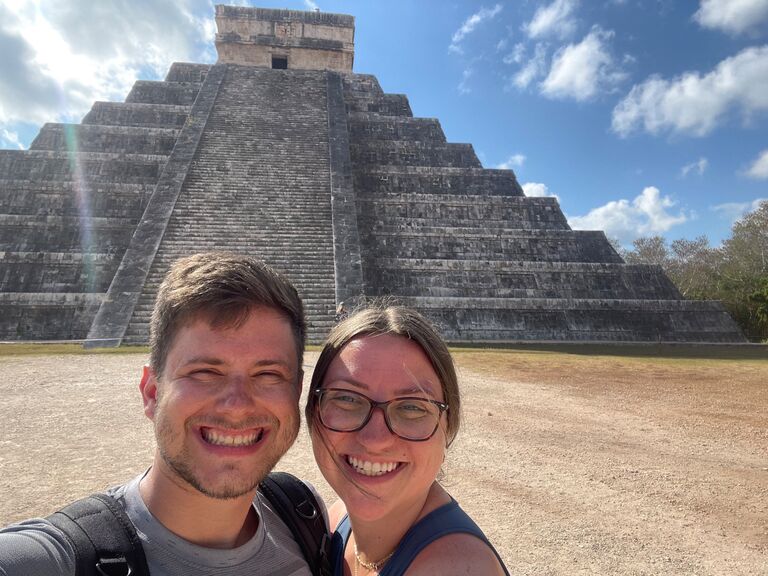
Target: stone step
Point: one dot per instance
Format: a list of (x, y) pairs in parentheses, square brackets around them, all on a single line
[(47, 316), (161, 92), (446, 210), (20, 233), (525, 245), (379, 179), (500, 279), (357, 83), (187, 72), (89, 166), (69, 198), (365, 128), (110, 139), (57, 271), (137, 114), (513, 319), (412, 153), (382, 105)]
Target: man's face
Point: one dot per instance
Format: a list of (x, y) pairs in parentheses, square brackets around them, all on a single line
[(227, 405)]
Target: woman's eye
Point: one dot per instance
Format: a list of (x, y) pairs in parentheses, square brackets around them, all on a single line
[(346, 400), (412, 409)]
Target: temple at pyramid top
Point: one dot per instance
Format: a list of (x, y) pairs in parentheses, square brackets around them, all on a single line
[(285, 39)]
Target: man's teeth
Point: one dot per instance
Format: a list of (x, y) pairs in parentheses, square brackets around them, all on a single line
[(213, 437), (371, 468)]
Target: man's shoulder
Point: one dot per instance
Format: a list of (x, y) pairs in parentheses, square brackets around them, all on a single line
[(35, 547), (38, 547)]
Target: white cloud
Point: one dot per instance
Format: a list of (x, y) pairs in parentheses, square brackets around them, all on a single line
[(699, 167), (470, 24), (555, 19), (732, 211), (311, 5), (534, 68), (58, 57), (695, 104), (463, 86), (584, 70), (732, 16), (514, 160), (759, 168), (516, 56), (648, 214), (8, 138), (537, 189)]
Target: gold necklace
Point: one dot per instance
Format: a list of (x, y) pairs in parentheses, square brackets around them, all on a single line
[(370, 566)]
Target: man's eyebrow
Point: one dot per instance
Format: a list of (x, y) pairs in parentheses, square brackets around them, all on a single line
[(215, 361)]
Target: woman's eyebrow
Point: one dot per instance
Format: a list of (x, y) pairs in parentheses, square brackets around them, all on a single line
[(410, 390)]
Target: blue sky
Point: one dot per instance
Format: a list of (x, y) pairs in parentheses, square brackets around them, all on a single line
[(642, 116)]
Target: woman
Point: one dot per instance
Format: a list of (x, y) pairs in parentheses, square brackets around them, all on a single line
[(383, 406)]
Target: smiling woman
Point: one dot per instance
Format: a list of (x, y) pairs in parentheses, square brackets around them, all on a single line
[(383, 406)]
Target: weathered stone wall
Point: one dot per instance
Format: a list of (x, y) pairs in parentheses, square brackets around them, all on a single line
[(466, 247), (309, 40), (70, 206)]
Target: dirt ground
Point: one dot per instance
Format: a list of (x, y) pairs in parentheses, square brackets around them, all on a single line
[(571, 464)]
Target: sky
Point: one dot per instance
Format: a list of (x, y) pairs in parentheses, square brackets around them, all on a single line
[(642, 117)]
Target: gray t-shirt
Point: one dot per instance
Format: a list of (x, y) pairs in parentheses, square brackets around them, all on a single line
[(37, 548)]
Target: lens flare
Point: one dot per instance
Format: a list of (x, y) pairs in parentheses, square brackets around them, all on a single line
[(82, 199)]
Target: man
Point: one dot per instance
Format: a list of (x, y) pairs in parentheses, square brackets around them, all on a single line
[(222, 390)]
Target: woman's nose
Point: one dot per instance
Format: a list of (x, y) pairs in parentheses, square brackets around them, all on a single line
[(376, 431)]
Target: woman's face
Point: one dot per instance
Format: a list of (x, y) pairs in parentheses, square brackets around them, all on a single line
[(372, 470)]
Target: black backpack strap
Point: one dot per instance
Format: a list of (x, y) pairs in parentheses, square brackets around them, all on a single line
[(297, 506), (104, 539)]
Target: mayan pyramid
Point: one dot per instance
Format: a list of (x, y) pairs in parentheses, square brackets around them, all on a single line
[(279, 150)]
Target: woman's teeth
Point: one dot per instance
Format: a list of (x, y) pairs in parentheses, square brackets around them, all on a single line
[(371, 468), (213, 437)]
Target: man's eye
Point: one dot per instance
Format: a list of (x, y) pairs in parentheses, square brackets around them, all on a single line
[(204, 374), (269, 377)]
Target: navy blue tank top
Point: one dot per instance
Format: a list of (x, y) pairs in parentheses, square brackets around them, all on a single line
[(448, 519)]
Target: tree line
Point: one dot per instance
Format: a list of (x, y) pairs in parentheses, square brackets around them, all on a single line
[(735, 273)]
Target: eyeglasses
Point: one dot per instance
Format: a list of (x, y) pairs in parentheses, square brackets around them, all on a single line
[(410, 418)]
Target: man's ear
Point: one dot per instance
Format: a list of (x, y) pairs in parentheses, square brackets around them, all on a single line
[(148, 388)]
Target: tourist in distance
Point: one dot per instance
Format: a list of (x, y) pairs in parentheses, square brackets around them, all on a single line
[(383, 406), (222, 390)]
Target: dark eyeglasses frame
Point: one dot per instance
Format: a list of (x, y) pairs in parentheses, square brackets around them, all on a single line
[(442, 406)]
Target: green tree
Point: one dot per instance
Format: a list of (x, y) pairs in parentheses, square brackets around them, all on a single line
[(735, 273)]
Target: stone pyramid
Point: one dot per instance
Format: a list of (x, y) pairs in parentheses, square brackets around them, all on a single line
[(279, 150)]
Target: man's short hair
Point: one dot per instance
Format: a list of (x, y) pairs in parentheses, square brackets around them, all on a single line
[(222, 288)]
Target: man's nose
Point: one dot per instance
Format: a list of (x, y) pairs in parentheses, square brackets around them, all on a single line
[(238, 393)]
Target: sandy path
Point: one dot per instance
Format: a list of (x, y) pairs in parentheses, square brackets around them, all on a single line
[(571, 464)]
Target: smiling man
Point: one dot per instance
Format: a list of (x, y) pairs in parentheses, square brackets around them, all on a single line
[(222, 390)]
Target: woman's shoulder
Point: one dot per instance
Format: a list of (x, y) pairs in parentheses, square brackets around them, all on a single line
[(455, 554), (336, 512)]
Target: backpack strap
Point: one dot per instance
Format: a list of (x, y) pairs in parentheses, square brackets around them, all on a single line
[(103, 537), (297, 506)]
